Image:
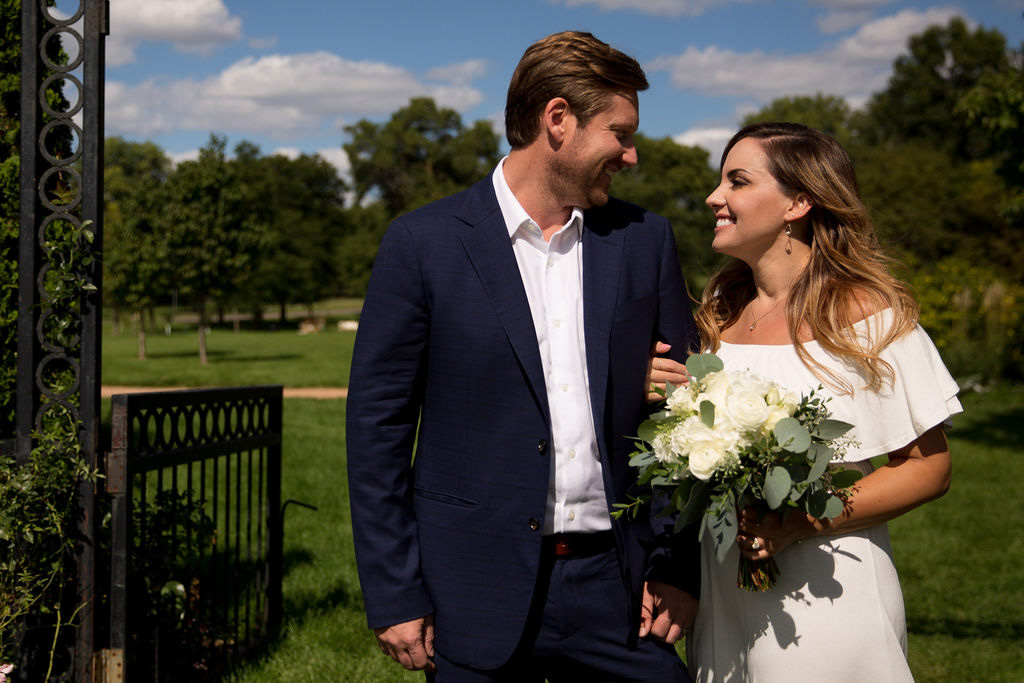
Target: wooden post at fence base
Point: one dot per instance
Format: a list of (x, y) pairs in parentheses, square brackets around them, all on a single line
[(108, 666)]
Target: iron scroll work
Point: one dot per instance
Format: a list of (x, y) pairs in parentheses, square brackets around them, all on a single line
[(61, 176)]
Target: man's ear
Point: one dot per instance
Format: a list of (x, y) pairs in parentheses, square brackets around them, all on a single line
[(557, 120)]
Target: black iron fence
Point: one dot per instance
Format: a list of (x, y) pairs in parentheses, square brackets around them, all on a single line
[(195, 535)]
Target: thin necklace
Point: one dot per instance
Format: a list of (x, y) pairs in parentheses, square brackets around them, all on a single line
[(753, 324)]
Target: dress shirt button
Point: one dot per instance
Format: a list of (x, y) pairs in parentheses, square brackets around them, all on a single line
[(534, 524), (542, 446), (572, 453), (557, 322), (565, 388), (572, 515)]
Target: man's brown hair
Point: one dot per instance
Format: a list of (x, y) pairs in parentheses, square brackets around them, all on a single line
[(573, 65)]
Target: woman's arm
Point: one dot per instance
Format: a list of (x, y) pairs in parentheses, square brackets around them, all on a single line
[(915, 474)]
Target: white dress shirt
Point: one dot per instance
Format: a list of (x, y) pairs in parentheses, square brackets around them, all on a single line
[(552, 273)]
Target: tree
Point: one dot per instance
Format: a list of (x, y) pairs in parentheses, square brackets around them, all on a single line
[(828, 113), (302, 203), (995, 105), (919, 103), (213, 229), (421, 154), (136, 263), (673, 180)]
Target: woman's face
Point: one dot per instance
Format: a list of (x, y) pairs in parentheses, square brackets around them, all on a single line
[(750, 208)]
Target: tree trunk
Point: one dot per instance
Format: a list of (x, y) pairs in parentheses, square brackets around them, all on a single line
[(202, 332), (141, 334), (238, 321), (284, 312)]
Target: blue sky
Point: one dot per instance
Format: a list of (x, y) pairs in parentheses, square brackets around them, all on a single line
[(289, 75)]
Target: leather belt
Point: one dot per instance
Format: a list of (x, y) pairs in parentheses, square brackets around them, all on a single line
[(578, 544)]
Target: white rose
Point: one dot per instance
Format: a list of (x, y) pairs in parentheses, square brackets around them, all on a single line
[(709, 449), (783, 398), (748, 381), (681, 402), (745, 410), (715, 389), (775, 413)]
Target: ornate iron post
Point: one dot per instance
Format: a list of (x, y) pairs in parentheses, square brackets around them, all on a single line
[(61, 150)]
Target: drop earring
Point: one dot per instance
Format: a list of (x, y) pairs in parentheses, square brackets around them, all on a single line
[(789, 239)]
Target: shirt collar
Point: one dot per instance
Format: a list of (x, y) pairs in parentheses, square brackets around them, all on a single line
[(513, 212)]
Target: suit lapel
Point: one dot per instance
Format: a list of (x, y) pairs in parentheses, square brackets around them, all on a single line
[(602, 261), (489, 249)]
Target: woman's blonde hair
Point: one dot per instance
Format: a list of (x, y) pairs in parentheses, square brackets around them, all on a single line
[(847, 277)]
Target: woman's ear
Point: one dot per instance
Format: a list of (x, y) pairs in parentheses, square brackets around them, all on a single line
[(800, 207)]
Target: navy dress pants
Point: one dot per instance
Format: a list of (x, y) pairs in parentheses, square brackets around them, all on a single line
[(578, 631)]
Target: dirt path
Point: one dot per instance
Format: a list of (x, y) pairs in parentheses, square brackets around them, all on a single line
[(289, 392)]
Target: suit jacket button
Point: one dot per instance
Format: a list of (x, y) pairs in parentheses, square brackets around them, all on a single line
[(542, 446), (534, 524)]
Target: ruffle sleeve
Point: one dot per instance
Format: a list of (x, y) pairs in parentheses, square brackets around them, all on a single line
[(922, 394)]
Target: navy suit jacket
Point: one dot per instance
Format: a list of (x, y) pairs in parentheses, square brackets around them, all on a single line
[(446, 360)]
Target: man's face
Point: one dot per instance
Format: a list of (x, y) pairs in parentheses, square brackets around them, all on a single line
[(591, 155)]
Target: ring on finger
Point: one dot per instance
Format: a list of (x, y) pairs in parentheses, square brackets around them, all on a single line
[(756, 545)]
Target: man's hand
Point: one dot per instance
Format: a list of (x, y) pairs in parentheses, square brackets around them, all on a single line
[(410, 643), (667, 612)]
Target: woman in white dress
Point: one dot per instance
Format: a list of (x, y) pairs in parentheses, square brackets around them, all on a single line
[(807, 300)]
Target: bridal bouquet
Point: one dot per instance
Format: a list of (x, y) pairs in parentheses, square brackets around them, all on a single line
[(732, 439)]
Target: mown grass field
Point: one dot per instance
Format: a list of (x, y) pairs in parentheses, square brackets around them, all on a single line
[(961, 558)]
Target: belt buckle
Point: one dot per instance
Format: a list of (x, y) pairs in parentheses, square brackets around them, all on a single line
[(562, 547)]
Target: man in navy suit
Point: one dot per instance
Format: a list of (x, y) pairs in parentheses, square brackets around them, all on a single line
[(506, 334)]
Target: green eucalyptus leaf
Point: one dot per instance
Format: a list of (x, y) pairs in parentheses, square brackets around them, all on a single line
[(792, 435), (642, 459), (777, 484), (817, 503), (844, 478), (834, 507), (701, 364), (829, 430), (821, 455), (723, 525), (694, 503), (707, 413), (648, 430)]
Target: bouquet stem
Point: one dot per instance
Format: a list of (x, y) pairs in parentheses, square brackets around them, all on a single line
[(757, 575)]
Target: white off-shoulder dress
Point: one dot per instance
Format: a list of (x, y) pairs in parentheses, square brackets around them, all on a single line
[(836, 612)]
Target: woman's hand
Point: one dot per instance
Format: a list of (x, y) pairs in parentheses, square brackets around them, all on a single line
[(761, 537), (661, 370)]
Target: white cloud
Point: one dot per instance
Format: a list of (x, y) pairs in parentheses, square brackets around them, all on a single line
[(178, 157), (837, 22), (711, 139), (195, 26), (281, 96), (287, 152), (855, 67), (665, 8), (846, 5), (459, 74), (337, 157)]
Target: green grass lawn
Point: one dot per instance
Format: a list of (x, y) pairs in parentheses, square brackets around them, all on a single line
[(960, 558), (240, 358)]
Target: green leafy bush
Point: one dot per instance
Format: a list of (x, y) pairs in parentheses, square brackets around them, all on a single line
[(974, 316)]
